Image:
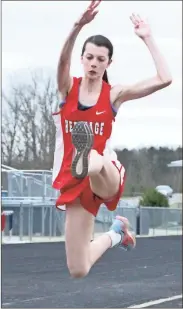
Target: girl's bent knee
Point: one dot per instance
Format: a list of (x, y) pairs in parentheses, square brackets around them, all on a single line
[(78, 272)]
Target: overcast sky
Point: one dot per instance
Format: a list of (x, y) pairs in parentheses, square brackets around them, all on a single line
[(33, 33)]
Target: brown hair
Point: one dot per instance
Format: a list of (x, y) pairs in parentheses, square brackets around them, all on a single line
[(100, 40)]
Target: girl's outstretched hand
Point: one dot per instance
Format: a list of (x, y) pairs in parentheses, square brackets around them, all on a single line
[(141, 27), (89, 14)]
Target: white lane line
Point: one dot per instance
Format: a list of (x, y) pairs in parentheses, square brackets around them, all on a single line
[(24, 300), (156, 302), (144, 305)]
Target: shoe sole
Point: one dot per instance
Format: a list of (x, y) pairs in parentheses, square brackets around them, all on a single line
[(129, 234), (132, 244), (82, 139)]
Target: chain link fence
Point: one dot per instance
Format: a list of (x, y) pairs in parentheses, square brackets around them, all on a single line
[(42, 221)]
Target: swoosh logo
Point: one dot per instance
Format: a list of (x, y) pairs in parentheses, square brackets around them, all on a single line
[(99, 113)]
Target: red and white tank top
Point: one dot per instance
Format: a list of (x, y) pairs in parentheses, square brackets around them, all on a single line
[(100, 117)]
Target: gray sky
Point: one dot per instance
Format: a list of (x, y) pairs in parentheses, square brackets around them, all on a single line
[(33, 33)]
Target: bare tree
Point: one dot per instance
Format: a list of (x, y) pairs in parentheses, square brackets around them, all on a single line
[(10, 123), (28, 130)]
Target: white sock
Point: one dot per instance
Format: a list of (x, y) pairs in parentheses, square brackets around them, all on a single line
[(115, 237)]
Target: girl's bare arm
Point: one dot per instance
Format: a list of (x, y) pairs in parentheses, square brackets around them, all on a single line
[(146, 87), (64, 79)]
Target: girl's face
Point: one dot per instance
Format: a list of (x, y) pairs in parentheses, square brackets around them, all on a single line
[(95, 60)]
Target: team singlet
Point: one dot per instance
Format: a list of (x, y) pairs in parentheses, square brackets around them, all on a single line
[(100, 117)]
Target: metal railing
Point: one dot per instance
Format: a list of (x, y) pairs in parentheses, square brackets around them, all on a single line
[(35, 220), (27, 183), (160, 221)]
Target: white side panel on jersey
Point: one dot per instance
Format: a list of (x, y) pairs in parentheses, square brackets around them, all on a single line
[(59, 147)]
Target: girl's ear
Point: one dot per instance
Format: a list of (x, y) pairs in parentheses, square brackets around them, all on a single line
[(110, 61)]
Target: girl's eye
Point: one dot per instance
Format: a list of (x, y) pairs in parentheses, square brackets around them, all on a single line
[(99, 59)]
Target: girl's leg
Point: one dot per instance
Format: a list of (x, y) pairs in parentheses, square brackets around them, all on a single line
[(78, 232), (104, 176), (104, 180), (81, 253)]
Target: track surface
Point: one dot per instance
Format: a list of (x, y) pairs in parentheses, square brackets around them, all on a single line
[(36, 276)]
